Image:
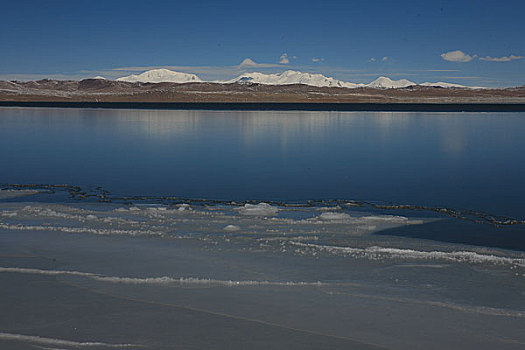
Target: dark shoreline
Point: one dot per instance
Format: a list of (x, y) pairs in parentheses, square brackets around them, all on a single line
[(273, 106)]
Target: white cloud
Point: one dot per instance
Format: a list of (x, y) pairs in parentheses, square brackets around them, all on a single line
[(284, 59), (249, 63), (372, 59), (501, 59), (457, 56), (384, 58), (315, 59), (460, 56)]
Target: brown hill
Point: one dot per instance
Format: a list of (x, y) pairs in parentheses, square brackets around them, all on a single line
[(114, 91)]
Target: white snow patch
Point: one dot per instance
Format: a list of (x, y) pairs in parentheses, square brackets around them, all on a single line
[(183, 207), (261, 209), (450, 85), (160, 76), (387, 83)]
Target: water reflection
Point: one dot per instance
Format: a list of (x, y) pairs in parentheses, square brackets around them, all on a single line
[(463, 160)]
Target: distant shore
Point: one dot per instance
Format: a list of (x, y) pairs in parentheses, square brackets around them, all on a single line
[(280, 106), (202, 95)]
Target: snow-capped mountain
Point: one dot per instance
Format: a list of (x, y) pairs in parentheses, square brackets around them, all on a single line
[(387, 83), (288, 77), (291, 77), (161, 76)]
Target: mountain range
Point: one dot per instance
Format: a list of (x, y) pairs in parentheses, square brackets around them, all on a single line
[(288, 77), (244, 90)]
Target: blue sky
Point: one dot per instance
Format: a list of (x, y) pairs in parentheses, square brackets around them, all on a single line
[(350, 40)]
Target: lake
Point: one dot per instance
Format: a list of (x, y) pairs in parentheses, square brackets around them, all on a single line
[(460, 160), (170, 229)]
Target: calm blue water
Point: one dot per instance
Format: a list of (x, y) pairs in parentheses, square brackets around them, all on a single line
[(460, 160)]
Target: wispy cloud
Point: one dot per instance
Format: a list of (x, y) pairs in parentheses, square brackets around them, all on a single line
[(433, 70), (28, 77), (383, 59), (317, 60), (389, 74), (465, 77), (457, 56), (501, 59), (202, 69)]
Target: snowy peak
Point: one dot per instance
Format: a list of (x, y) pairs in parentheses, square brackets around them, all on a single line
[(161, 76), (387, 83), (293, 77), (290, 77)]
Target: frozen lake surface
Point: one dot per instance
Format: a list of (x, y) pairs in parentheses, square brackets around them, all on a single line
[(319, 230)]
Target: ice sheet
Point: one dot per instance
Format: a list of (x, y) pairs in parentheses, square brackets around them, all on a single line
[(320, 275)]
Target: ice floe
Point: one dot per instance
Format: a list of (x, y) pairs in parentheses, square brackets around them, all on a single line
[(331, 216), (261, 209), (95, 231), (382, 253)]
